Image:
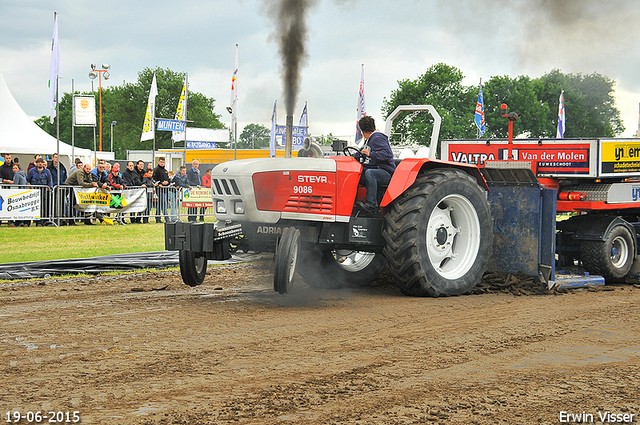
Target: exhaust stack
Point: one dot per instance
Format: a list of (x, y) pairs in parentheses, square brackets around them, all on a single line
[(288, 145)]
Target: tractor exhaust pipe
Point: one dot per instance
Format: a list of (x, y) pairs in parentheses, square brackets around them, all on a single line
[(288, 144)]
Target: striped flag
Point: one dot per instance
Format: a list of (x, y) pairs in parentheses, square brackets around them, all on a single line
[(54, 70), (362, 111), (148, 127), (479, 116), (561, 117)]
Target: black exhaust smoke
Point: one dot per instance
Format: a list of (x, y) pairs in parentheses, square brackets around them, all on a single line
[(291, 33)]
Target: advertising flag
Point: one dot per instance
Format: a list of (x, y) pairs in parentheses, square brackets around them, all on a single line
[(148, 127), (479, 116), (303, 117), (234, 96), (361, 106), (561, 117), (181, 112), (54, 70), (272, 141)]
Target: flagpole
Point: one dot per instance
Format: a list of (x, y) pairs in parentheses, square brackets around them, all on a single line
[(73, 127)]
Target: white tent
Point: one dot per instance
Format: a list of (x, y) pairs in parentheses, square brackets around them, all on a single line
[(22, 138)]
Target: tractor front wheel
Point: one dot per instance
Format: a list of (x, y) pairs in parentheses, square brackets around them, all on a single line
[(192, 268)]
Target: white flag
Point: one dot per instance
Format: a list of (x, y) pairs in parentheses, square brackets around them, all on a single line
[(54, 70), (362, 111), (148, 127), (303, 117), (272, 141), (181, 112)]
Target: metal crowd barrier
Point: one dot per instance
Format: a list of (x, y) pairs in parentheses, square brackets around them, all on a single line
[(163, 203)]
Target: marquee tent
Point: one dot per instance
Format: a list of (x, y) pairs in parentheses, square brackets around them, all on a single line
[(22, 138)]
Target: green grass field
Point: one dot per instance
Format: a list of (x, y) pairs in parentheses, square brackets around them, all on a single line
[(57, 243)]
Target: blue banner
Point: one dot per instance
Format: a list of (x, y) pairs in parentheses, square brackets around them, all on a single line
[(297, 138), (170, 125)]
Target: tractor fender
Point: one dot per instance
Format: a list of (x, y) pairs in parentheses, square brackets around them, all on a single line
[(596, 227), (410, 168)]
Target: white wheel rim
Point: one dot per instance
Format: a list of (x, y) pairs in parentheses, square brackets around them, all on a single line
[(353, 261), (619, 252), (453, 236)]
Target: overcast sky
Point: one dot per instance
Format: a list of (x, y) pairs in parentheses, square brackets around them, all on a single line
[(394, 39)]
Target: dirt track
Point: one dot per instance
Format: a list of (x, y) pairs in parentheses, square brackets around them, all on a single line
[(146, 349)]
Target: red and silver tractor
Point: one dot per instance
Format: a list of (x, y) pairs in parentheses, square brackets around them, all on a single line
[(434, 232)]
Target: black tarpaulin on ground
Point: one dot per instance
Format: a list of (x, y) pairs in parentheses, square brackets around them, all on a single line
[(107, 263)]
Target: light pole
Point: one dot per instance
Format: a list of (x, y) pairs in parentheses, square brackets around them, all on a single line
[(113, 124), (98, 73)]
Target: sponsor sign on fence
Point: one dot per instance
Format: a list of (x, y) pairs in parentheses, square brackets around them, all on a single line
[(19, 204), (104, 201), (197, 198)]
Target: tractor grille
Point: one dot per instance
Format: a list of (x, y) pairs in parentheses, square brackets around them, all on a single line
[(225, 187), (309, 204)]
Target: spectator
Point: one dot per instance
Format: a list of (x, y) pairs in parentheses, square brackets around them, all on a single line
[(195, 180), (147, 181), (6, 169), (173, 198), (100, 176), (40, 176), (181, 181), (130, 176), (33, 164), (115, 180), (83, 177), (77, 165), (206, 182), (19, 179), (53, 169), (107, 167), (161, 177)]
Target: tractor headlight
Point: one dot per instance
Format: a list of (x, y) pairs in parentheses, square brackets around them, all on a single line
[(238, 207), (221, 208)]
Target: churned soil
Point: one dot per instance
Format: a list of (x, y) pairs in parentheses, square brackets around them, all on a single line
[(144, 348)]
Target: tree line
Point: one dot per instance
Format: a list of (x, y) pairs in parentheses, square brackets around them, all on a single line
[(589, 103), (127, 104)]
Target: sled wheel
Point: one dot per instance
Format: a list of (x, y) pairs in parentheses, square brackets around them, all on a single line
[(438, 234), (611, 258), (286, 259), (333, 269), (192, 268)]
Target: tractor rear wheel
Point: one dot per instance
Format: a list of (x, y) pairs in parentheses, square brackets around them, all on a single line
[(334, 269), (192, 268), (611, 258), (438, 234)]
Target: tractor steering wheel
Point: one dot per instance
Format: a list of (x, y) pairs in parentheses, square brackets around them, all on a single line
[(351, 151)]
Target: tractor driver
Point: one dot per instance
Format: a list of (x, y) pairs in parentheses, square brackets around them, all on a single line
[(377, 159)]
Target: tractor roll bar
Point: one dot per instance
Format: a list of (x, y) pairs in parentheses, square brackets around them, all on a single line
[(436, 123)]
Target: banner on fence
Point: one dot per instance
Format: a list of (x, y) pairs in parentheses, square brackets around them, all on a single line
[(19, 204), (104, 201), (197, 198)]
